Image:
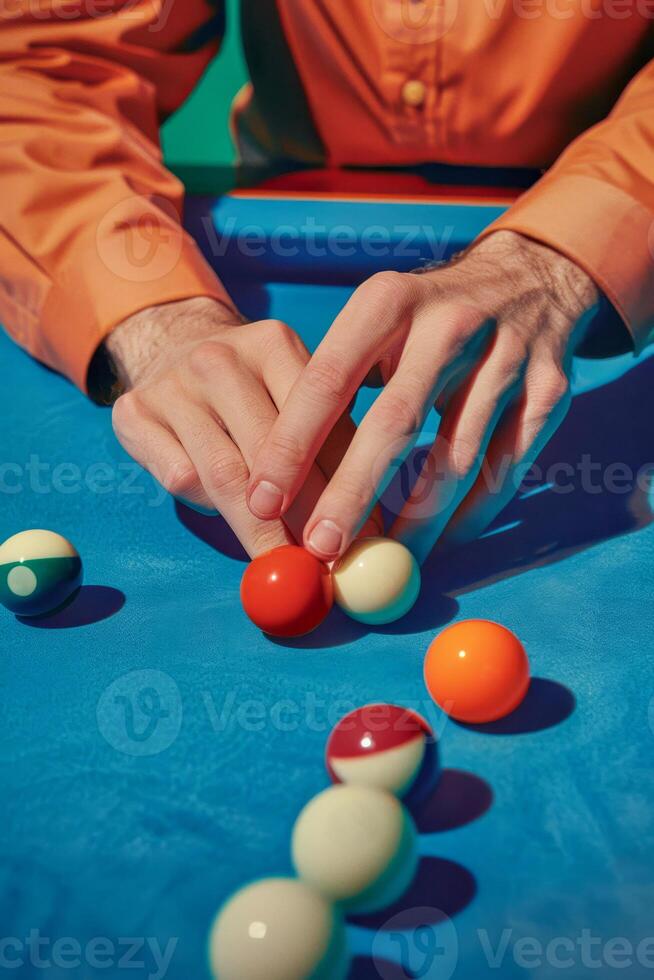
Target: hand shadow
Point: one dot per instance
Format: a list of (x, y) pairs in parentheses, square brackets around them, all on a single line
[(573, 507), (545, 524), (213, 529)]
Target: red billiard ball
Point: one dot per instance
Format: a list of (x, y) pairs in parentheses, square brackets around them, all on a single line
[(477, 671), (385, 746), (287, 592)]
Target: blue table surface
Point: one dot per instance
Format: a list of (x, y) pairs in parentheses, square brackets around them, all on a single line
[(156, 748)]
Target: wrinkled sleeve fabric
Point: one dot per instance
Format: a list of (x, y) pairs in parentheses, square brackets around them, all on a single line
[(90, 228), (596, 205)]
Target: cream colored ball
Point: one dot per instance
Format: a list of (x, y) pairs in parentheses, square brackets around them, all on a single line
[(278, 929), (376, 581), (356, 845)]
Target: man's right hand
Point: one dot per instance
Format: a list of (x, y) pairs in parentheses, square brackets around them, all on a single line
[(202, 391)]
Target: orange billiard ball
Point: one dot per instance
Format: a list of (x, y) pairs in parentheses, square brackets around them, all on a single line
[(287, 591), (477, 671)]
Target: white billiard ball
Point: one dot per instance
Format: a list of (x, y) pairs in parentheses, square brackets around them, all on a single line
[(278, 929), (376, 581), (357, 845)]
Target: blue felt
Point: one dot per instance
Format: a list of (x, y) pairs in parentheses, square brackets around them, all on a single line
[(118, 822)]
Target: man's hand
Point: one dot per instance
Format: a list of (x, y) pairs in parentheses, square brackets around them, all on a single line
[(203, 391), (488, 339)]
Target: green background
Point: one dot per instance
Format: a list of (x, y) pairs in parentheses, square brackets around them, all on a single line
[(196, 140)]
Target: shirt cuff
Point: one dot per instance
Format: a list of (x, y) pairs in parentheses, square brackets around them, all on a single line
[(135, 258), (601, 228)]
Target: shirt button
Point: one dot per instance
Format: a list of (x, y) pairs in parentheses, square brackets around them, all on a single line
[(414, 92)]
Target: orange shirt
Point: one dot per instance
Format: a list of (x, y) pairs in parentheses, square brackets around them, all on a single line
[(559, 84)]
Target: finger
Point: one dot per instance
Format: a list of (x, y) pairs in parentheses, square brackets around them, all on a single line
[(224, 475), (385, 435), (456, 456), (280, 372), (284, 357), (325, 388), (155, 448), (518, 441), (242, 403), (282, 364), (389, 429), (238, 399)]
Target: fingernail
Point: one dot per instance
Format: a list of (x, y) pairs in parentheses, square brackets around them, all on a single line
[(266, 500), (326, 538)]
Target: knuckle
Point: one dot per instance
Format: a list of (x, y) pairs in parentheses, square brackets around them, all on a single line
[(510, 356), (550, 389), (351, 495), (126, 412), (277, 335), (210, 358), (327, 376), (180, 479), (398, 414), (285, 446), (459, 321), (227, 475), (278, 331), (389, 288), (510, 370), (265, 537), (463, 456)]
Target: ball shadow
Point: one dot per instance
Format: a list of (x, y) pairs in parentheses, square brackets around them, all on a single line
[(337, 630), (459, 799), (367, 968), (442, 887), (547, 704), (92, 604), (432, 611)]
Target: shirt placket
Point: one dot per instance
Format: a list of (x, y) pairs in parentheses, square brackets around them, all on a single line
[(411, 57)]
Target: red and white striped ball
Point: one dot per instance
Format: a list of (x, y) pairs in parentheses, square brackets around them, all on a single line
[(385, 746)]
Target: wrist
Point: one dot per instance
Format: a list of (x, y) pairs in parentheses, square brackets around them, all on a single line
[(137, 345), (566, 284)]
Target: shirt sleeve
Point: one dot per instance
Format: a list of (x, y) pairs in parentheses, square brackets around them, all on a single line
[(90, 223), (596, 205)]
